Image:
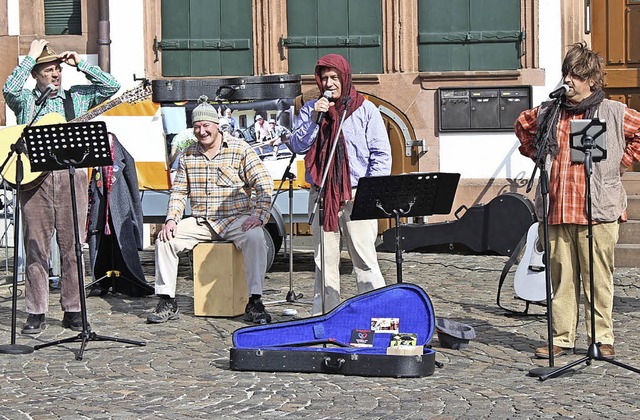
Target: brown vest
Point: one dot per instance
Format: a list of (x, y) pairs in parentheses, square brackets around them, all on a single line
[(608, 197)]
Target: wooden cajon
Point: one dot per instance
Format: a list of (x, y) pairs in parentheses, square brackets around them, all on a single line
[(219, 286)]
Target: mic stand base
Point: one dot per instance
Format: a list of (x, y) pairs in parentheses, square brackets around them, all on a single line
[(85, 337), (593, 353), (15, 349), (293, 297)]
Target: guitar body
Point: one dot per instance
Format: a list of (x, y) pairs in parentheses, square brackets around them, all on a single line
[(530, 280), (8, 136)]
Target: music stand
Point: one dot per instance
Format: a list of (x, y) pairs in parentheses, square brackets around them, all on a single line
[(395, 196), (70, 146), (587, 146)]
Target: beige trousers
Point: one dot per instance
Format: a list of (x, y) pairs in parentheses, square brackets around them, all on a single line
[(359, 237), (569, 251), (190, 232), (45, 208)]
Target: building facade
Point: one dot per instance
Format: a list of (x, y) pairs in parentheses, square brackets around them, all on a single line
[(451, 67)]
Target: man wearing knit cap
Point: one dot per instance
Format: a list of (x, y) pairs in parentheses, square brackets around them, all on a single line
[(218, 173)]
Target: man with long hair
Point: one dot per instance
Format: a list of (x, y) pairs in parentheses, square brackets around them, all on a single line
[(583, 73)]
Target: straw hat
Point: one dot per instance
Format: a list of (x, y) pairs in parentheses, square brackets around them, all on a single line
[(47, 56)]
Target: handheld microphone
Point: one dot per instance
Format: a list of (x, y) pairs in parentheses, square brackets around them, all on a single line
[(44, 95), (327, 94), (561, 91)]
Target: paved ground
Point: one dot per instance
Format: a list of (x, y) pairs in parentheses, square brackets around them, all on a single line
[(183, 371)]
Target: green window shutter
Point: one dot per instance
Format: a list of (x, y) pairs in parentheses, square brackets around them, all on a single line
[(176, 57), (461, 35), (352, 28), (62, 17), (206, 38)]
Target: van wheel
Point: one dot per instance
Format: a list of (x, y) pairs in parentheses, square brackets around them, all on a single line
[(271, 248)]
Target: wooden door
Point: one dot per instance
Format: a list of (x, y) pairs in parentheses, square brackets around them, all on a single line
[(616, 36)]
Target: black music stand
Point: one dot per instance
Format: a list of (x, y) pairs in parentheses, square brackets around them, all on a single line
[(395, 196), (70, 146), (587, 146)]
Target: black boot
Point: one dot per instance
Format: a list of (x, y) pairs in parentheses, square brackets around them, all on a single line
[(35, 324), (73, 321)]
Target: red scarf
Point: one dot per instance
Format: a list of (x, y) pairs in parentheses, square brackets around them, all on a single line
[(337, 189)]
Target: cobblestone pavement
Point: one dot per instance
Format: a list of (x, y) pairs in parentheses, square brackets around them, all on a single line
[(183, 371)]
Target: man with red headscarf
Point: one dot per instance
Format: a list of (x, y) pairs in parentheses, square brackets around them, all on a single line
[(363, 149)]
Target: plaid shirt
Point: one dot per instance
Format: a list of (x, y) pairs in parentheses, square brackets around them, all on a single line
[(22, 101), (567, 180), (220, 189)]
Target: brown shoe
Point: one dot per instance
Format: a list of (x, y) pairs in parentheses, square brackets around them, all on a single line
[(607, 351), (543, 352)]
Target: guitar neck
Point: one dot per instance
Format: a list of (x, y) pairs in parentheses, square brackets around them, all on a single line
[(100, 109)]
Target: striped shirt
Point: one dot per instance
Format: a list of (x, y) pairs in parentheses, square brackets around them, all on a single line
[(567, 180), (233, 183), (365, 135), (22, 101)]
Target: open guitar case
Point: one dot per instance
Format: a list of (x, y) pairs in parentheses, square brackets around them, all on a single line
[(321, 344)]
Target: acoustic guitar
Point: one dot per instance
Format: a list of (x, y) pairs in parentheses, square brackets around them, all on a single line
[(529, 281), (9, 135)]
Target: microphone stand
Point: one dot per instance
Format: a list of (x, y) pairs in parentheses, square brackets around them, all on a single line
[(593, 352), (542, 138), (318, 205), (19, 147), (291, 295)]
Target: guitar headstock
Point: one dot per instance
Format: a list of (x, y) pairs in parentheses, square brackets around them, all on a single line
[(139, 93)]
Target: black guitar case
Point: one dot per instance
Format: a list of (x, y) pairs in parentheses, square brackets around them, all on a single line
[(227, 89), (321, 344), (493, 228)]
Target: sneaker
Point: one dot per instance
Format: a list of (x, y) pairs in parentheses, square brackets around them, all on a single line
[(166, 310), (543, 352), (35, 324), (255, 312)]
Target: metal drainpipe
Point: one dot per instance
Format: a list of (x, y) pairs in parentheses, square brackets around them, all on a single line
[(104, 40)]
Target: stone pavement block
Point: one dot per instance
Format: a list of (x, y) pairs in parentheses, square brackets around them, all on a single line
[(183, 371)]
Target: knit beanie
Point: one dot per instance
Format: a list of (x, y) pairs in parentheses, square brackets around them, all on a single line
[(204, 111)]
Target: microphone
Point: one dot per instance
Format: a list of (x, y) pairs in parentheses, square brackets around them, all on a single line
[(44, 95), (560, 91), (327, 94)]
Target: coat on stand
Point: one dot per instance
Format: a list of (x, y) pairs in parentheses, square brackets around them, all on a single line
[(115, 262)]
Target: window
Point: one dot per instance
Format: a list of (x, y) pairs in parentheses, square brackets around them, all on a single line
[(62, 17), (206, 38), (461, 35), (352, 28)]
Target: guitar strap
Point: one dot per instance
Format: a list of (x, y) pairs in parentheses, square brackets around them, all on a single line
[(515, 257), (69, 112)]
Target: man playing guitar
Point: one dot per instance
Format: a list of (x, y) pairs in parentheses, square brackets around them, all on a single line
[(47, 205)]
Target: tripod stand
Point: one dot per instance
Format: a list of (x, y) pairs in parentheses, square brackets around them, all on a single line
[(73, 145), (112, 273), (18, 148), (395, 196), (542, 137), (288, 175), (588, 131), (318, 205)]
